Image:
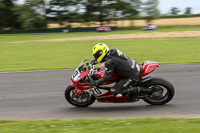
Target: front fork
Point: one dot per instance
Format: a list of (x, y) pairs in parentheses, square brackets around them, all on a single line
[(78, 92)]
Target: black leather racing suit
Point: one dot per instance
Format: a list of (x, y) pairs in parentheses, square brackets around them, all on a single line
[(125, 67)]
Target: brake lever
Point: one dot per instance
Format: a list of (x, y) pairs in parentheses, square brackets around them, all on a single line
[(91, 70)]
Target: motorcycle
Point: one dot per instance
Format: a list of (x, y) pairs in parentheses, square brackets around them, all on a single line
[(153, 90)]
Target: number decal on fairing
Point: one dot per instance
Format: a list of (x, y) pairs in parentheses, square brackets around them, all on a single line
[(95, 91), (75, 74)]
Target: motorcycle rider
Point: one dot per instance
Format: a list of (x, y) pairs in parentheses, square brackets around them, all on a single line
[(121, 64)]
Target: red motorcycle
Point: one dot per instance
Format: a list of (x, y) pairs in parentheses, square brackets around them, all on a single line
[(80, 93)]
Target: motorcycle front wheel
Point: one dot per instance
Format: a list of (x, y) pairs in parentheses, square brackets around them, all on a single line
[(163, 91), (84, 100)]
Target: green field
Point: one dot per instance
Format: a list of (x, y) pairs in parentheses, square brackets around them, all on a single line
[(61, 55), (142, 125)]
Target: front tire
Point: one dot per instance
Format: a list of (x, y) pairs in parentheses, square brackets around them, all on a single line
[(84, 100), (164, 94)]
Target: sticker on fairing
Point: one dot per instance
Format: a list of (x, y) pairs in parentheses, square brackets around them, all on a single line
[(96, 91), (76, 75)]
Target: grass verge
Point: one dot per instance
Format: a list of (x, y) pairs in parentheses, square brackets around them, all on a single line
[(62, 55), (140, 125)]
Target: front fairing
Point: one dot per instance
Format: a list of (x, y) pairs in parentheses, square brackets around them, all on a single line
[(79, 77), (80, 71)]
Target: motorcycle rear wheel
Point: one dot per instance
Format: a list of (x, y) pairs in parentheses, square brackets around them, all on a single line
[(84, 100), (164, 94)]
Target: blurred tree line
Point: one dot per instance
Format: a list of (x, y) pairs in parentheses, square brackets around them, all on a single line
[(38, 13)]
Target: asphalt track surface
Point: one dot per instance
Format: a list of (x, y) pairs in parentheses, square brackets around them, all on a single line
[(39, 95)]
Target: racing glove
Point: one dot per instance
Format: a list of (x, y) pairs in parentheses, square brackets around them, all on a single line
[(94, 82)]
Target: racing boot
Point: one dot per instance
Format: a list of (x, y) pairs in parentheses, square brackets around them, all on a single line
[(132, 92), (116, 92)]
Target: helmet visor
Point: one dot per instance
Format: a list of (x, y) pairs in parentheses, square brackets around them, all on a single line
[(97, 54)]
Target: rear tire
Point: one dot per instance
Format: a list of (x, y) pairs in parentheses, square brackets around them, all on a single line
[(165, 87), (84, 100)]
